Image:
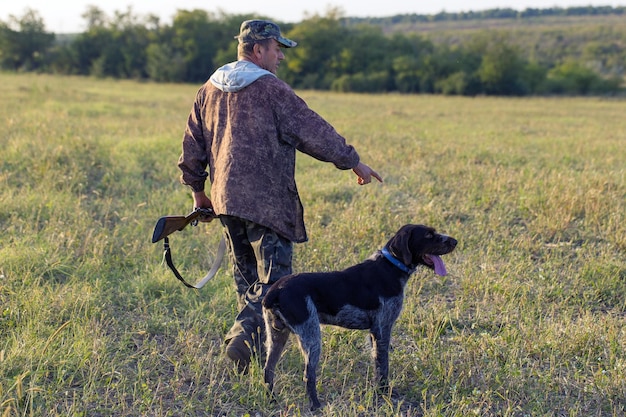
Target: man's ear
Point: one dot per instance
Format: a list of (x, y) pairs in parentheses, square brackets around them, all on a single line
[(257, 50)]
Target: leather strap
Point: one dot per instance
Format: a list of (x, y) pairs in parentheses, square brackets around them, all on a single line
[(167, 256)]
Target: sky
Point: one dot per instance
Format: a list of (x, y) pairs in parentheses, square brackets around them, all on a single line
[(64, 16)]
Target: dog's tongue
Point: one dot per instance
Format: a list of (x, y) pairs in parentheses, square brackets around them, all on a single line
[(440, 268)]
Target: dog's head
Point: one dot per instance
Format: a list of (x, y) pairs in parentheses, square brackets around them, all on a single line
[(416, 244)]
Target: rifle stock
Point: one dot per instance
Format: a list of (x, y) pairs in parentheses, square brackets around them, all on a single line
[(167, 225)]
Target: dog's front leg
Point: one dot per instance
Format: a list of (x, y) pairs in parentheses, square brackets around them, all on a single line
[(380, 352)]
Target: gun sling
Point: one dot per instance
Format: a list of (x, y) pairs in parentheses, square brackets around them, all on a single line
[(161, 231), (167, 256)]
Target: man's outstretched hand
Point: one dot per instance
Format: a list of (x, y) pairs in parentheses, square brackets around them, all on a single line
[(365, 174)]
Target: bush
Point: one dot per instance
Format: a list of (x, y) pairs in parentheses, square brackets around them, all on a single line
[(574, 78), (362, 83), (454, 84)]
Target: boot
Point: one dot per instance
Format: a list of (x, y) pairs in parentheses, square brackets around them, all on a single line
[(238, 350)]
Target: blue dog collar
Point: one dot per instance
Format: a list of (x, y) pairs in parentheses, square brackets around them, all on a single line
[(395, 261)]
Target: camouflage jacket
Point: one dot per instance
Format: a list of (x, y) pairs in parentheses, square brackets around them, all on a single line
[(248, 140)]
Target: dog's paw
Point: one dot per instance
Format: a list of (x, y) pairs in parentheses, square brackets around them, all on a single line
[(273, 399), (316, 406)]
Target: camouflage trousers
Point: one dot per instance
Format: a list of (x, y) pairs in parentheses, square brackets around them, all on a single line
[(259, 256)]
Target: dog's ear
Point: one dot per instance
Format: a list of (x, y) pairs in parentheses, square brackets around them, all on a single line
[(399, 244)]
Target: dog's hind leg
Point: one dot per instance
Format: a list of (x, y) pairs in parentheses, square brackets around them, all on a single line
[(310, 341), (277, 335)]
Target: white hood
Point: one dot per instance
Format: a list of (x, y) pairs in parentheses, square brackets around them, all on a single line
[(237, 75)]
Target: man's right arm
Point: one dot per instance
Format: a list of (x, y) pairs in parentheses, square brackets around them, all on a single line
[(193, 159)]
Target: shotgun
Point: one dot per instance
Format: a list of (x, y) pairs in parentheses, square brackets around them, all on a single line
[(167, 225)]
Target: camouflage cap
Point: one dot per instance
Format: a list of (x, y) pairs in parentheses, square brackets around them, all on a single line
[(258, 30)]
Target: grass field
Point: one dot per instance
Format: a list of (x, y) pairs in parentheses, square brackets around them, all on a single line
[(530, 321)]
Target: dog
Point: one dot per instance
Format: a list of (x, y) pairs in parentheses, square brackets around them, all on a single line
[(366, 296)]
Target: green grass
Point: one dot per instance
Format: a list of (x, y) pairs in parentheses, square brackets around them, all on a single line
[(530, 320)]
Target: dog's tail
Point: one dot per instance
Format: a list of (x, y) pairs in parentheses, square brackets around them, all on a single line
[(271, 299), (279, 323), (272, 313)]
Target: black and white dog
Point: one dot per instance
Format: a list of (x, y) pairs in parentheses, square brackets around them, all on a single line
[(368, 295)]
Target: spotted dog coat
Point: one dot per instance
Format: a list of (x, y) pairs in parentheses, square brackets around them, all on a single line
[(365, 296)]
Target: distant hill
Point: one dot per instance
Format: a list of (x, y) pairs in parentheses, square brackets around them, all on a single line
[(495, 18), (549, 36)]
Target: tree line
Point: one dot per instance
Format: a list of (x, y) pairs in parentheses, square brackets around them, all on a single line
[(498, 13), (333, 53)]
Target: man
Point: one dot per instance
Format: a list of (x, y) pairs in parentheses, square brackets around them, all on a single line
[(245, 126)]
